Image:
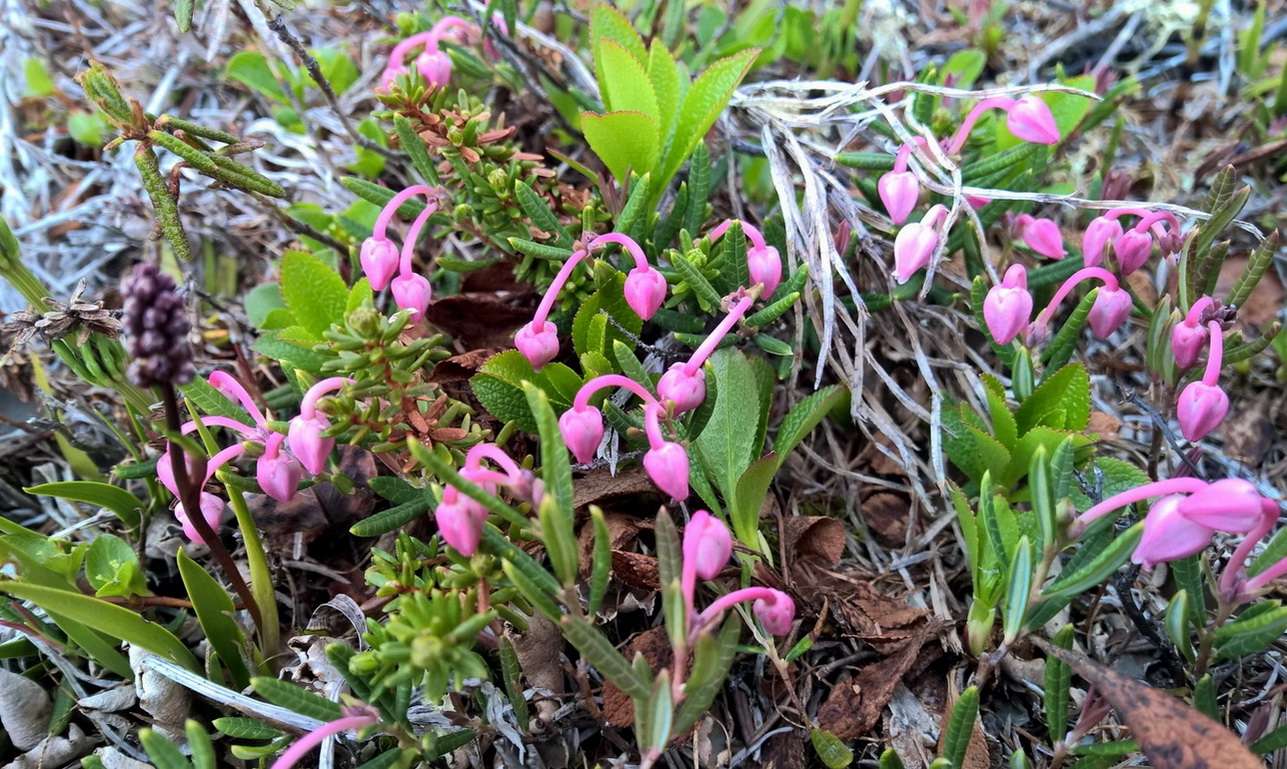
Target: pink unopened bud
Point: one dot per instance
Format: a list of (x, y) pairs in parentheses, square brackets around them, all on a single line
[(915, 244), (304, 437), (212, 509), (707, 545), (1201, 408), (435, 67), (686, 391), (460, 521), (1231, 505), (1133, 248), (539, 346), (379, 258), (278, 473), (775, 611), (1100, 234), (667, 465), (1187, 341), (582, 430), (1008, 306), (498, 21), (1030, 119), (1169, 535), (977, 202), (899, 191), (412, 292), (1043, 236), (645, 290), (391, 74), (765, 268), (1111, 309)]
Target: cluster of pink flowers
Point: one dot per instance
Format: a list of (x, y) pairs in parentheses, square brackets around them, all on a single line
[(1188, 515), (278, 470), (381, 259), (1027, 118), (707, 548), (433, 63)]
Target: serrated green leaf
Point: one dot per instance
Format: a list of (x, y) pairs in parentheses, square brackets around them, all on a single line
[(625, 85), (624, 141), (1067, 391), (609, 24), (667, 86), (803, 417), (726, 447), (610, 299), (973, 451), (704, 101), (313, 292), (1098, 569)]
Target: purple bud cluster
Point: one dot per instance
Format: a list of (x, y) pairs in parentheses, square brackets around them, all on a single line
[(156, 329)]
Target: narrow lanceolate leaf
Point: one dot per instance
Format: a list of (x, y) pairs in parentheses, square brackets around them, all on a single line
[(123, 504), (296, 699), (1256, 265), (1055, 690), (215, 613), (1018, 589), (959, 726), (602, 567), (604, 656), (167, 208)]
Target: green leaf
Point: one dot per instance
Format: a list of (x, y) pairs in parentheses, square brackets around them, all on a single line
[(245, 728), (112, 568), (890, 760), (705, 100), (960, 725), (1067, 391), (712, 659), (313, 292), (625, 85), (1117, 476), (260, 300), (748, 498), (1027, 446), (604, 656), (609, 299), (123, 504), (556, 513), (726, 447), (86, 128), (203, 754), (107, 618), (624, 141), (391, 519), (337, 66), (803, 417), (292, 355), (38, 81), (609, 24), (667, 85), (251, 68), (499, 387), (1018, 588), (1004, 426), (1099, 568), (1250, 635), (833, 752), (215, 612), (970, 449), (164, 754), (296, 699), (1058, 680), (1275, 740)]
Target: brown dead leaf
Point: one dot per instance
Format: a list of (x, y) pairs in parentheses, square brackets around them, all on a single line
[(495, 277), (1170, 733), (477, 320), (855, 704), (1266, 300), (784, 750), (885, 513), (315, 509), (1105, 424), (654, 645), (459, 368), (1141, 285), (976, 750), (599, 485), (1250, 433), (817, 538), (538, 650), (621, 530), (636, 570)]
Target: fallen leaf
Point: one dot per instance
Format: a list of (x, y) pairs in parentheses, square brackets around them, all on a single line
[(459, 368), (654, 645), (1170, 733), (1250, 432), (599, 485), (635, 570), (621, 530), (1104, 424), (855, 704), (817, 538), (477, 320), (885, 513)]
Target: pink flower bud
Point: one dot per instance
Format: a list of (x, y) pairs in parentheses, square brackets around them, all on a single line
[(977, 202), (539, 346), (1043, 236), (1169, 535), (707, 544), (391, 74), (212, 509), (776, 612), (278, 473), (645, 290), (765, 266), (582, 430), (686, 391), (1008, 306), (1201, 408), (899, 191), (304, 437), (1030, 119), (667, 465), (1187, 341), (460, 521), (379, 258), (1133, 249), (1111, 309), (1100, 234), (412, 292), (434, 66), (915, 244), (1231, 505), (498, 21)]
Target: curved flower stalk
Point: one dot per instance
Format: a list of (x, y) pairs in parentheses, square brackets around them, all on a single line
[(1111, 309), (707, 547), (1027, 118), (915, 244), (665, 461), (763, 262), (1008, 306), (1202, 405), (582, 425), (1133, 246), (212, 507), (304, 436), (433, 64), (381, 259), (461, 519), (683, 386), (645, 290), (353, 718), (1190, 335)]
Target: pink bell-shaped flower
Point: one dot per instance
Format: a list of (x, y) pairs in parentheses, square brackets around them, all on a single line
[(1200, 409), (1187, 341), (1111, 309), (212, 509), (1043, 237), (379, 258), (899, 191), (1101, 233), (776, 611), (1169, 535), (1031, 120), (915, 244), (1133, 248), (391, 74), (582, 430), (278, 473), (306, 442), (1007, 308), (435, 67), (686, 391), (412, 292), (765, 268), (645, 290), (1231, 504), (460, 521), (539, 346), (667, 465), (707, 545)]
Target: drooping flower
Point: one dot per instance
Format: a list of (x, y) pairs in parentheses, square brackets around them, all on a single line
[(1008, 306), (304, 436), (1042, 236), (582, 425), (666, 462), (915, 244), (1189, 336), (1100, 234), (433, 64), (763, 262), (1169, 535), (461, 519), (1111, 308), (773, 608), (645, 287), (1027, 118), (1202, 405), (683, 386)]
